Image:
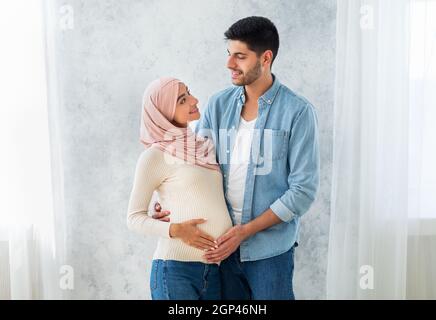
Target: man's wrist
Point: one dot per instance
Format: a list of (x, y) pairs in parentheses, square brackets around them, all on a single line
[(246, 231)]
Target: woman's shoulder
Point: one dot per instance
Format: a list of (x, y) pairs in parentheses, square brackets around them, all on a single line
[(151, 156)]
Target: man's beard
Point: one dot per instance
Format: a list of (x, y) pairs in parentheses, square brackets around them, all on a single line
[(252, 75)]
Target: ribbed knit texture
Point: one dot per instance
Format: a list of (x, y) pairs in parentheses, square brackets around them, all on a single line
[(187, 191)]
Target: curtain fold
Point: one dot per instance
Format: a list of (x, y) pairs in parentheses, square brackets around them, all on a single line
[(370, 237), (421, 268), (32, 243)]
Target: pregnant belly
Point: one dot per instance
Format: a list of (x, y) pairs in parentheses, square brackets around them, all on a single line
[(216, 227), (217, 219)]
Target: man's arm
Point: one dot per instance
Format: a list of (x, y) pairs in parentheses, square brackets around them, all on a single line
[(303, 180), (303, 159)]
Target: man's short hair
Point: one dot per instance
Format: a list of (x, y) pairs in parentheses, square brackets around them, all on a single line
[(259, 33)]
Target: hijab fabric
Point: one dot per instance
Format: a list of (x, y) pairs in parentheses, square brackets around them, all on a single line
[(157, 128)]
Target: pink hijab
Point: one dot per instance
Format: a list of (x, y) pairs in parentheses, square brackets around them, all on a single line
[(158, 108)]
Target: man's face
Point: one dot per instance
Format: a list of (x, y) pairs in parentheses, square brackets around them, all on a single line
[(243, 63)]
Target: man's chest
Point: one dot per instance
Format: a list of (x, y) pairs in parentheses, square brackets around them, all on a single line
[(249, 110)]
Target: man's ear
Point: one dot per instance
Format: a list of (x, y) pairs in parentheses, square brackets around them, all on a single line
[(267, 57)]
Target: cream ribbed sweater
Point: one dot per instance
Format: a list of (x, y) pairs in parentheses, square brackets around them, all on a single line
[(187, 191)]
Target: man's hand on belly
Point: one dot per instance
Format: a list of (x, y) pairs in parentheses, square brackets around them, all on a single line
[(227, 244), (159, 214), (230, 241)]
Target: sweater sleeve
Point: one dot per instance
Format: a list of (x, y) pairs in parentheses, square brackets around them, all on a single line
[(149, 174)]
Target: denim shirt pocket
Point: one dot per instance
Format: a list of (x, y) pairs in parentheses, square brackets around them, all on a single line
[(279, 144)]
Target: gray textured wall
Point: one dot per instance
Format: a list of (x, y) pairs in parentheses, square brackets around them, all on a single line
[(106, 60)]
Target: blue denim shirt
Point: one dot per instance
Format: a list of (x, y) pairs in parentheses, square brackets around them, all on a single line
[(283, 172)]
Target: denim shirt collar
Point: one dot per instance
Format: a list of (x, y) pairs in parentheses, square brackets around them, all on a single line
[(268, 97)]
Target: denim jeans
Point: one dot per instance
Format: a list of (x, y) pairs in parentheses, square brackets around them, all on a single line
[(179, 280), (266, 279)]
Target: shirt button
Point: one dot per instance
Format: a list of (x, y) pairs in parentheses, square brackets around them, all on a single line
[(228, 151), (269, 101)]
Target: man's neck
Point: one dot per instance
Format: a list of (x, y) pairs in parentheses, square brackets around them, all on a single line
[(256, 89)]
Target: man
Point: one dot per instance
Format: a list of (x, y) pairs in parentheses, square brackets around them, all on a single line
[(267, 146)]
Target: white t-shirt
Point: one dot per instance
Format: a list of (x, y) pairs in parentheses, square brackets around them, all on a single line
[(238, 167)]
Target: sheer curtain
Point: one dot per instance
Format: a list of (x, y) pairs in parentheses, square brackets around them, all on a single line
[(421, 272), (379, 234), (31, 229)]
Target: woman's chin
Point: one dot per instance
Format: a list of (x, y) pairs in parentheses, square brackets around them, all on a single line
[(194, 116)]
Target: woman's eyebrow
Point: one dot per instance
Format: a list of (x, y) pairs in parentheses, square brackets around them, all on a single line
[(181, 96)]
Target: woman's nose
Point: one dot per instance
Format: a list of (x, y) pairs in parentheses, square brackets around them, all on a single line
[(194, 100)]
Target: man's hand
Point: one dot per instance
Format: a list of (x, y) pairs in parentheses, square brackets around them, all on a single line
[(227, 244), (159, 214)]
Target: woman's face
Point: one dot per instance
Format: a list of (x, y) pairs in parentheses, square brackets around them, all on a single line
[(186, 107)]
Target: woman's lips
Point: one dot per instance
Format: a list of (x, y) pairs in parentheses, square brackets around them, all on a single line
[(195, 110)]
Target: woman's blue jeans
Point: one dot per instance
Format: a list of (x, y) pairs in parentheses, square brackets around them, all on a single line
[(179, 280)]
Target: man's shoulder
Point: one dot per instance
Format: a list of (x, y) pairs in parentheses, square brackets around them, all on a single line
[(295, 101), (294, 97)]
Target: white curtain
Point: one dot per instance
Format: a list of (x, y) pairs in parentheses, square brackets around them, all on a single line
[(31, 228), (379, 234), (421, 272)]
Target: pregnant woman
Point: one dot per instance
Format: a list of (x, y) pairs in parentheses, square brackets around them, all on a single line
[(182, 168)]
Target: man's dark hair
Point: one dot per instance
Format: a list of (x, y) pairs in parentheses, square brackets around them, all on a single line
[(259, 33)]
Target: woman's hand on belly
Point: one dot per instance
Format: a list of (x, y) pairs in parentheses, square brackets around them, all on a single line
[(190, 234)]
